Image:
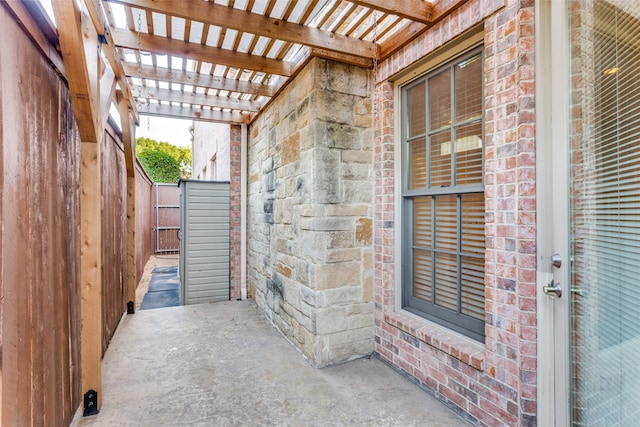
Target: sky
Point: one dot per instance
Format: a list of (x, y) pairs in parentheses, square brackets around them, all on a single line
[(173, 131)]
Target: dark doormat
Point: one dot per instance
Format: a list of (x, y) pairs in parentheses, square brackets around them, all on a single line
[(164, 289)]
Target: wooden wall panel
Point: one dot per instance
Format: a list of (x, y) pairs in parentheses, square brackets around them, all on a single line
[(145, 243), (114, 235), (40, 239)]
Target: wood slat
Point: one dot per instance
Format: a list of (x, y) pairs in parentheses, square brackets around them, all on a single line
[(198, 79), (195, 113), (156, 44), (204, 100), (225, 17)]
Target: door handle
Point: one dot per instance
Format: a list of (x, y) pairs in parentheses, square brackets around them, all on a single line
[(552, 289)]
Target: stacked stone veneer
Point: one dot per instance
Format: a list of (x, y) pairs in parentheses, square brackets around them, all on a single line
[(493, 383), (310, 212)]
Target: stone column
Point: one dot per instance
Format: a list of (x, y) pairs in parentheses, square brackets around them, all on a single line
[(310, 212)]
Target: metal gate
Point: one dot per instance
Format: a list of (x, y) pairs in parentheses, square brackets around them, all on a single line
[(167, 207)]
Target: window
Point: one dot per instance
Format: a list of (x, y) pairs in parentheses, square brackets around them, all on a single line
[(213, 168), (443, 195)]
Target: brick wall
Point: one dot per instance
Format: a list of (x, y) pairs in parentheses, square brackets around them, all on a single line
[(310, 212), (493, 383)]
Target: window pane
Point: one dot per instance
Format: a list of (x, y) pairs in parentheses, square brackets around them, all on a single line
[(469, 154), (472, 275), (422, 222), (447, 281), (469, 88), (447, 223), (422, 275), (418, 162), (473, 223), (440, 161), (443, 157), (440, 100), (417, 103)]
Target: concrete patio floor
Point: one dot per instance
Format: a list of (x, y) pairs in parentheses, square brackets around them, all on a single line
[(224, 364)]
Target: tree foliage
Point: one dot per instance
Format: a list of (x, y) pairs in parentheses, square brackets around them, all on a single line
[(182, 155), (160, 166)]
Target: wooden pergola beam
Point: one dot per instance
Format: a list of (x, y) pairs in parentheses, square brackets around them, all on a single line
[(195, 113), (82, 85), (413, 30), (346, 59), (260, 25), (128, 137), (198, 79), (163, 45), (415, 10), (99, 19), (204, 100)]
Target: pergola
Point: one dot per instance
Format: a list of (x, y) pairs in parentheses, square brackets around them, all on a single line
[(216, 60)]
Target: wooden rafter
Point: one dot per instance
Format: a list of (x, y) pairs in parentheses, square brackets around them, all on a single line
[(198, 79), (415, 10), (101, 24), (156, 44), (204, 100), (195, 113), (341, 31), (413, 30), (225, 17)]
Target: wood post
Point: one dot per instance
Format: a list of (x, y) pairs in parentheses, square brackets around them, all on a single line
[(91, 268), (128, 140)]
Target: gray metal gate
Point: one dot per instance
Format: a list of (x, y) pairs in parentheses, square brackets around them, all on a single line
[(167, 210), (204, 241)]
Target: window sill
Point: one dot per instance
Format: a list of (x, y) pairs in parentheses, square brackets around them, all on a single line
[(462, 348)]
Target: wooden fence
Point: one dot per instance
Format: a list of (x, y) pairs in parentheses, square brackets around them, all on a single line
[(145, 220), (167, 218), (114, 234), (40, 239)]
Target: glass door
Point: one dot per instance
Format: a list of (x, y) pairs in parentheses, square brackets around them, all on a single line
[(604, 158)]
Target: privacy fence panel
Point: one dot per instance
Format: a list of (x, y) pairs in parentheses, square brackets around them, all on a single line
[(145, 220), (40, 238), (114, 235)]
